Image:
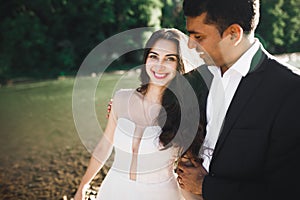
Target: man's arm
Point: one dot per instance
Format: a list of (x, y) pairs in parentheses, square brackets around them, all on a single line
[(190, 177)]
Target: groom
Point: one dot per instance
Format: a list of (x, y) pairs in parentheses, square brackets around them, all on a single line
[(255, 152)]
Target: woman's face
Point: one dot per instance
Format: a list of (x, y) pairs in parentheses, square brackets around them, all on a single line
[(161, 62)]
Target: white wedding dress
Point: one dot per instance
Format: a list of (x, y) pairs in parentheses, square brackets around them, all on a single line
[(147, 174)]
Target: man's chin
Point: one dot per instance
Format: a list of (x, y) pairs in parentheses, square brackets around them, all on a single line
[(209, 61)]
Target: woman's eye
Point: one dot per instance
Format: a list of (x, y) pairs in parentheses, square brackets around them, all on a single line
[(152, 56), (172, 59)]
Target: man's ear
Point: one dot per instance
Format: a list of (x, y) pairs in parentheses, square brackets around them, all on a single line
[(235, 32)]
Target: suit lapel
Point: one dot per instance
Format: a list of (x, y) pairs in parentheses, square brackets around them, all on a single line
[(244, 92)]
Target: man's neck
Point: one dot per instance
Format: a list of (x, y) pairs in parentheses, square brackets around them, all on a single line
[(240, 49)]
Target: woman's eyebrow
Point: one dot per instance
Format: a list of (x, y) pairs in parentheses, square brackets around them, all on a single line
[(172, 54), (153, 52)]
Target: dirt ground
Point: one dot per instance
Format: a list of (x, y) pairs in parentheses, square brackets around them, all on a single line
[(41, 154), (47, 175)]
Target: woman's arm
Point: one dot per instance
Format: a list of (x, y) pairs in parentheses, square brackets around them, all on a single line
[(100, 154)]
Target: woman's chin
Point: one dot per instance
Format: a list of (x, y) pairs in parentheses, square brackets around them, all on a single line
[(159, 83)]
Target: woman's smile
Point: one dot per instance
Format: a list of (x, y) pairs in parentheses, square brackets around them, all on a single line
[(160, 75)]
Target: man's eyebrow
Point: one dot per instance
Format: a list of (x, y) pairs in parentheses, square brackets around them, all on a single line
[(192, 32)]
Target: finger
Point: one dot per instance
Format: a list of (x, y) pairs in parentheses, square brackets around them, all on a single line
[(202, 169), (181, 186), (181, 166), (195, 162), (179, 180), (179, 172)]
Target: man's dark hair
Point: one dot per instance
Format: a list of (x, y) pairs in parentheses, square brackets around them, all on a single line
[(223, 13)]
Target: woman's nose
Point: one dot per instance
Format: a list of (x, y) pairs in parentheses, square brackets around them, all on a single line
[(159, 65), (160, 61)]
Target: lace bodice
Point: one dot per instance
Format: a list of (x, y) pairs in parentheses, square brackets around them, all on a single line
[(137, 147)]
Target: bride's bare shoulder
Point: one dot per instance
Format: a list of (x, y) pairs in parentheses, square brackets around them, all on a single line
[(126, 94)]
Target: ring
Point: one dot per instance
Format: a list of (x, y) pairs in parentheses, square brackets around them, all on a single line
[(179, 181)]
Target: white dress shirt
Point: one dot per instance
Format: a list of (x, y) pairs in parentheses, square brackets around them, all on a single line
[(220, 97)]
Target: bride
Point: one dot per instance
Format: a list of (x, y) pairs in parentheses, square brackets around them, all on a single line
[(143, 167)]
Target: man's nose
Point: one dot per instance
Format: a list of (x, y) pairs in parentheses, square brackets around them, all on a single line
[(192, 43)]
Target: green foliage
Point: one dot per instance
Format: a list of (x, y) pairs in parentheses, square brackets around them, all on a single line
[(280, 25), (172, 15), (46, 38)]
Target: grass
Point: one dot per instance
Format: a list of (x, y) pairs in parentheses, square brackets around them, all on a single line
[(38, 116), (41, 154)]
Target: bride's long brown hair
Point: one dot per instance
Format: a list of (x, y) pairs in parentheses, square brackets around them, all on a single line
[(169, 117)]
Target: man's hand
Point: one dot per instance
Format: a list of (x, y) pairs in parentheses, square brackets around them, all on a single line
[(190, 177)]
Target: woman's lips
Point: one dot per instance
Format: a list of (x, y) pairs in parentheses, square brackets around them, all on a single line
[(160, 75)]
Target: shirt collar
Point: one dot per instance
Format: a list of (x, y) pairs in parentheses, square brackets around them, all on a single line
[(214, 70), (242, 65)]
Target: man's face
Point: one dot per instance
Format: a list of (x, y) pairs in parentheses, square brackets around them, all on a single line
[(207, 40)]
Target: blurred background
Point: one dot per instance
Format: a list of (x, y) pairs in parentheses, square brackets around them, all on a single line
[(45, 39), (42, 45)]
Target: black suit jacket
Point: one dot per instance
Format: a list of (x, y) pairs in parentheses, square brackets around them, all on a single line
[(257, 155)]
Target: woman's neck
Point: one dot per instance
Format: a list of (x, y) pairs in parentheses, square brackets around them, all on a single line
[(154, 93)]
